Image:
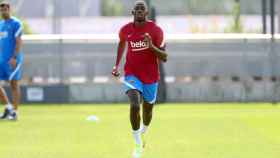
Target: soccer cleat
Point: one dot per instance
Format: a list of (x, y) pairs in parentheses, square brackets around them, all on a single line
[(5, 114), (12, 116), (137, 153)]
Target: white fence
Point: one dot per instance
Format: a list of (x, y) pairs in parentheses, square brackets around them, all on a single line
[(201, 67)]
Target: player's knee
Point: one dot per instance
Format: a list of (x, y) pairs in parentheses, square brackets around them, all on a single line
[(147, 107), (134, 98), (135, 109), (2, 91), (148, 111), (14, 85)]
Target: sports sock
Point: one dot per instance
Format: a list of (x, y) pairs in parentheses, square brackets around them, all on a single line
[(9, 107), (144, 129), (137, 136)]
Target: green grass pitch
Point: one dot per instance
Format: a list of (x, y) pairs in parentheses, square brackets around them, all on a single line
[(177, 131)]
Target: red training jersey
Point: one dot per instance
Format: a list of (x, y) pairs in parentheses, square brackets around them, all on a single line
[(140, 60)]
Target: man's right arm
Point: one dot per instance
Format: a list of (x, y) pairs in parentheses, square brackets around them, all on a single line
[(121, 48)]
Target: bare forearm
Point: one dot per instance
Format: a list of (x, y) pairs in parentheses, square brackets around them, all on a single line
[(121, 48), (161, 54), (18, 46)]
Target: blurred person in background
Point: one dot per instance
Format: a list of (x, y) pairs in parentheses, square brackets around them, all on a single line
[(11, 59)]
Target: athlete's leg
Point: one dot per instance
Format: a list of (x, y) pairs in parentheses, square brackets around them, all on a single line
[(147, 118), (3, 76), (135, 101), (147, 115), (15, 94), (134, 88), (8, 107), (14, 77), (149, 95), (3, 96)]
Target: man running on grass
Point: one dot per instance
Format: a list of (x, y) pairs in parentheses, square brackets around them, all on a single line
[(145, 42)]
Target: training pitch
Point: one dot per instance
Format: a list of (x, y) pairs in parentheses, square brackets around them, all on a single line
[(177, 131)]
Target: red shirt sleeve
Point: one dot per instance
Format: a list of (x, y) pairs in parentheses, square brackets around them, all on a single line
[(122, 34), (159, 38)]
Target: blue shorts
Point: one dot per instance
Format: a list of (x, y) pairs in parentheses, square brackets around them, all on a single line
[(148, 91), (8, 73)]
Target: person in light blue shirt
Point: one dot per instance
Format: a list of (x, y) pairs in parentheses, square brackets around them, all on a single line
[(11, 59)]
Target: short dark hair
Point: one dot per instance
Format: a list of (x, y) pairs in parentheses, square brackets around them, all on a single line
[(4, 3), (137, 2)]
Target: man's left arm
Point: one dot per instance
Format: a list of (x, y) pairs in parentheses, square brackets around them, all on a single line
[(158, 47), (18, 44)]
